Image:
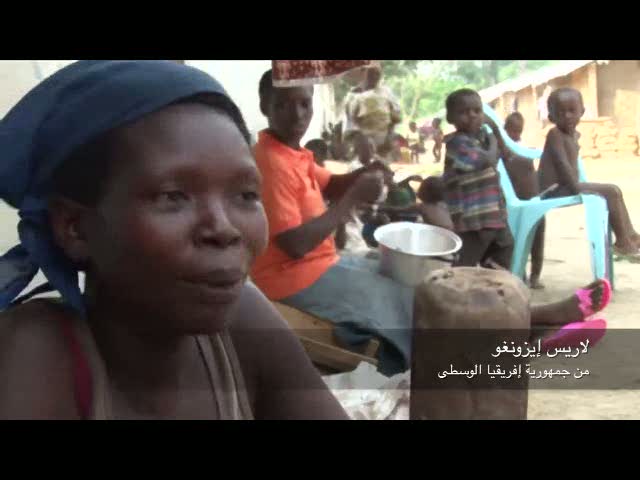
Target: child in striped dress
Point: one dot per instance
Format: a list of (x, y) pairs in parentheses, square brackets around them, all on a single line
[(472, 185)]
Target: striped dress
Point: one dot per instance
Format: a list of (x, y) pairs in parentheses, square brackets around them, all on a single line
[(472, 186)]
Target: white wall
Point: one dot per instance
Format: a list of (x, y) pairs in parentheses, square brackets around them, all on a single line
[(240, 78), (17, 77)]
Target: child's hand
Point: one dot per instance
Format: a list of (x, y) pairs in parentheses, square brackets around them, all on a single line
[(492, 141), (412, 178), (383, 219), (378, 166), (367, 188), (492, 124), (493, 149)]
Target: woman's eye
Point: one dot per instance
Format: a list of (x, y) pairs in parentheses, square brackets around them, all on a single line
[(250, 196), (170, 198), (174, 196)]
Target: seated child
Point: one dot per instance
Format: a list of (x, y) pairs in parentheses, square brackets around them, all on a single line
[(433, 208), (559, 165), (396, 207), (401, 195), (514, 125), (472, 187), (524, 179)]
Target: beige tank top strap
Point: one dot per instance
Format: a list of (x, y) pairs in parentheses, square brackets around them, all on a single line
[(226, 377)]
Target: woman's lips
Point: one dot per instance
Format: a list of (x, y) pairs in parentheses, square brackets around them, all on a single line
[(218, 286)]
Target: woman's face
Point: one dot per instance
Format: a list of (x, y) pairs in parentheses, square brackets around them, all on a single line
[(181, 221)]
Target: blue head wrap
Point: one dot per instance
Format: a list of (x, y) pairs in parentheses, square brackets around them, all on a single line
[(67, 110)]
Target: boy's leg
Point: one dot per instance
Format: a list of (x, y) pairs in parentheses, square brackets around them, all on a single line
[(417, 153), (525, 183), (474, 248), (568, 310), (437, 151), (558, 313), (626, 236), (500, 249), (537, 256)]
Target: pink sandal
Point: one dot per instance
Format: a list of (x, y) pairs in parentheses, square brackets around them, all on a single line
[(576, 334), (584, 298)]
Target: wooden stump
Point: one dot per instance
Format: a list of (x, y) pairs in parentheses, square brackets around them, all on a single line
[(454, 302)]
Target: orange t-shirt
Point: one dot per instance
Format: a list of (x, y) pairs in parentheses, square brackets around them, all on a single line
[(291, 195)]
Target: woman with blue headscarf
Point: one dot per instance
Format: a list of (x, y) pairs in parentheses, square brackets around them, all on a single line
[(140, 174)]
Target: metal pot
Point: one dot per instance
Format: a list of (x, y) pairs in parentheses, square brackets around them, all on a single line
[(409, 251)]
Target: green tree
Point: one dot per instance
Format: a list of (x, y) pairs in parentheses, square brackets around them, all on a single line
[(392, 70)]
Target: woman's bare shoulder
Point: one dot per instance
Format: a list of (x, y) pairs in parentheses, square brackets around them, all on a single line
[(255, 312), (38, 319), (256, 326), (35, 364), (280, 377)]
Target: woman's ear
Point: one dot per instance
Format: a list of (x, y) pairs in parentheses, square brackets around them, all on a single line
[(67, 223)]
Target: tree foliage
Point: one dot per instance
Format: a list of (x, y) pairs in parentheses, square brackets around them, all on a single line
[(422, 86)]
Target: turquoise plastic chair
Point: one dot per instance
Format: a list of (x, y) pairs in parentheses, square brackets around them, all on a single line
[(525, 215)]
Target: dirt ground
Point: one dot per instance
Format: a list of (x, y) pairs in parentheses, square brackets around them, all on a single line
[(566, 267)]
